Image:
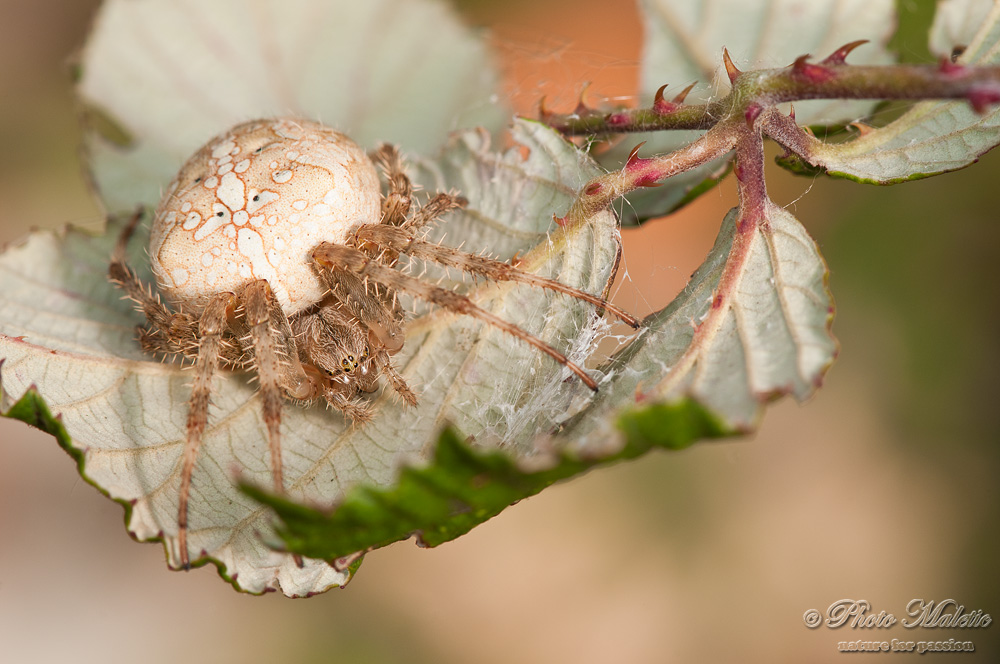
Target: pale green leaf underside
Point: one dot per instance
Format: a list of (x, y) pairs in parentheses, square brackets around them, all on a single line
[(174, 73), (65, 330), (771, 335), (932, 137), (767, 334), (683, 45)]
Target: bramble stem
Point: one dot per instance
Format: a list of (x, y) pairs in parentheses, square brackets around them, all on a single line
[(979, 85), (588, 122), (802, 80), (640, 172), (751, 186), (741, 119)]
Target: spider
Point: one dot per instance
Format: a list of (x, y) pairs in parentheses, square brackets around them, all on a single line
[(275, 250)]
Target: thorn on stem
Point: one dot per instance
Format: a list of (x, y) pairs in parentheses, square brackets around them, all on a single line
[(731, 69), (950, 69), (560, 221), (661, 105), (863, 129), (619, 120), (632, 158), (682, 95), (838, 56), (812, 73), (637, 163), (581, 106), (791, 112), (983, 96)]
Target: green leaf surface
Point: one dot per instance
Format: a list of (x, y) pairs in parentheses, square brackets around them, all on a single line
[(462, 486), (683, 45), (174, 74), (932, 137)]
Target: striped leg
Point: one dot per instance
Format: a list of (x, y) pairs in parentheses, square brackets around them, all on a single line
[(211, 325), (340, 259)]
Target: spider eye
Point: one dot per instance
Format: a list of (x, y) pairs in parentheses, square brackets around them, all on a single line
[(346, 364)]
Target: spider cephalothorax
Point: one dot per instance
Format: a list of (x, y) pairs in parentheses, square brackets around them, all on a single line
[(275, 250)]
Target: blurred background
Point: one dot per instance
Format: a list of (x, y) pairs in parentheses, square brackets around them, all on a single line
[(882, 487)]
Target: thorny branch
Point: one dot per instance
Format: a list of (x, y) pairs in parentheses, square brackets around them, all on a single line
[(739, 119)]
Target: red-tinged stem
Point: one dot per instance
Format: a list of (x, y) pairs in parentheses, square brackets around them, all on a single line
[(749, 170), (751, 217), (640, 172), (829, 79), (804, 80), (739, 119), (786, 133), (590, 122)]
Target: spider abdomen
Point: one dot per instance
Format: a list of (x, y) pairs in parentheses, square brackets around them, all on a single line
[(252, 204)]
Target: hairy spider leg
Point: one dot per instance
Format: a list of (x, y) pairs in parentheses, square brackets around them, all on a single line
[(437, 206), (167, 330), (337, 259), (396, 204), (267, 340), (259, 302), (211, 325), (403, 241), (272, 360)]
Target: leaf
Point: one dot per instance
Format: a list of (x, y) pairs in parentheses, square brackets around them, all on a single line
[(463, 486), (932, 137), (172, 74), (696, 371), (683, 45), (753, 323), (65, 331)]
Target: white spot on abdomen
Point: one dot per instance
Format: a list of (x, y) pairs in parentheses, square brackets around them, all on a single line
[(250, 244), (231, 192)]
